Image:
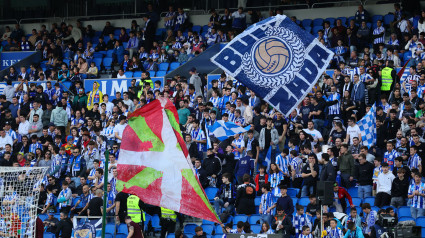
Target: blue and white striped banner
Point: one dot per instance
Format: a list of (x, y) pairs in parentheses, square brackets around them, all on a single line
[(223, 130)]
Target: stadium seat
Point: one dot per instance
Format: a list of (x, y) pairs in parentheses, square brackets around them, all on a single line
[(196, 28), (48, 235), (106, 39), (67, 55), (353, 191), (316, 29), (109, 53), (349, 19), (308, 29), (375, 18), (218, 236), (171, 235), (137, 74), (43, 216), (163, 66), (190, 228), (406, 218), (211, 192), (160, 73), (122, 228), (218, 230), (206, 222), (110, 229), (152, 73), (239, 218), (155, 223), (109, 236), (420, 221), (404, 211), (98, 62), (128, 74), (292, 192), (376, 209), (294, 201), (97, 55), (253, 219), (304, 201), (208, 229), (66, 61), (256, 229), (107, 62), (174, 65), (331, 20), (205, 28), (370, 200), (306, 22), (388, 19), (257, 201), (318, 22), (357, 201), (121, 235)]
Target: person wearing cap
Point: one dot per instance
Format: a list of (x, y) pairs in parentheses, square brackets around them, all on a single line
[(196, 81), (384, 183), (51, 222)]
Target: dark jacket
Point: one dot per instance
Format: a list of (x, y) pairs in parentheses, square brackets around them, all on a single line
[(212, 165), (287, 204), (286, 223), (392, 126), (364, 173), (227, 162), (245, 201), (202, 176), (245, 165), (399, 187), (226, 196), (328, 173), (64, 228), (193, 150)]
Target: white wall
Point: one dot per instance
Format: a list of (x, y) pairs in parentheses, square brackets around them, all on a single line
[(301, 14)]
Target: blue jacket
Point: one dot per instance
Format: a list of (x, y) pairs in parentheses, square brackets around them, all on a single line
[(286, 204), (357, 234), (359, 94), (245, 165), (119, 52), (227, 197)]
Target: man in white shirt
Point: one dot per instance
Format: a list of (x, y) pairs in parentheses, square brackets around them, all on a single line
[(4, 140), (109, 105), (384, 183), (353, 130), (317, 136), (24, 126), (119, 129)]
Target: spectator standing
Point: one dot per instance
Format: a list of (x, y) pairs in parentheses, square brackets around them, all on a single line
[(384, 183)]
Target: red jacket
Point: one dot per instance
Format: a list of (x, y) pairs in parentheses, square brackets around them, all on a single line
[(257, 183), (342, 194)]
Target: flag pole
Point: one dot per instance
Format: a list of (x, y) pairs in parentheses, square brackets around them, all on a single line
[(105, 192)]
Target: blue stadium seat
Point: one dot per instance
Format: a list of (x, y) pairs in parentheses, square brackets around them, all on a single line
[(208, 229), (109, 53), (161, 73), (67, 55), (253, 219), (97, 55), (420, 221), (239, 218), (190, 228), (106, 39), (206, 222), (107, 62), (218, 236), (388, 19), (257, 201), (122, 228), (331, 20), (196, 28), (152, 73), (370, 200), (98, 62), (404, 211), (375, 18), (110, 229), (349, 19), (306, 22), (308, 29), (353, 191), (357, 201), (304, 201), (256, 229), (109, 236), (205, 28), (117, 32), (218, 230), (211, 192), (318, 22), (358, 209), (128, 74), (407, 56), (171, 235), (292, 192), (316, 29), (163, 66), (137, 74), (43, 216), (406, 218), (121, 235), (155, 223), (48, 235), (294, 201), (174, 65), (66, 61)]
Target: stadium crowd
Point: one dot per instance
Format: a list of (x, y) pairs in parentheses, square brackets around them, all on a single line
[(261, 173)]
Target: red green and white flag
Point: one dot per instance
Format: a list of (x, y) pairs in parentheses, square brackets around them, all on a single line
[(154, 163)]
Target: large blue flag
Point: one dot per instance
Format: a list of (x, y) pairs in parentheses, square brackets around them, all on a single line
[(223, 130), (367, 127), (276, 59)]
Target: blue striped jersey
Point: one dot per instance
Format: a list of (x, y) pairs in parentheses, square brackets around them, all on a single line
[(334, 109), (266, 203), (389, 158), (414, 161), (215, 101), (378, 31), (297, 165), (170, 23), (334, 233), (417, 201), (275, 178), (283, 163), (240, 143)]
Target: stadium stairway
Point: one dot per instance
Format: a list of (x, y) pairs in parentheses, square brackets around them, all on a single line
[(202, 62)]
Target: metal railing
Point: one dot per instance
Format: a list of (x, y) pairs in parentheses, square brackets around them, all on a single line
[(41, 19), (337, 4)]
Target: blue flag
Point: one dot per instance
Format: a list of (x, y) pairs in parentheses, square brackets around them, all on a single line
[(277, 60), (223, 130), (367, 127)]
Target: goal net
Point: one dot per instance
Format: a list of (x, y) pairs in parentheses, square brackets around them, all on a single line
[(19, 193)]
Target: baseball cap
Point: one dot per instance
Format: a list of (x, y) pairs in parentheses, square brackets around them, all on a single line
[(69, 138), (51, 213), (7, 123)]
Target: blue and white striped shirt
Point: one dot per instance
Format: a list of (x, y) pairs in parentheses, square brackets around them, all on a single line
[(389, 157), (299, 221), (297, 166), (283, 163), (215, 101), (334, 233), (266, 203), (169, 23), (378, 31), (414, 161), (334, 109), (417, 201), (275, 178)]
